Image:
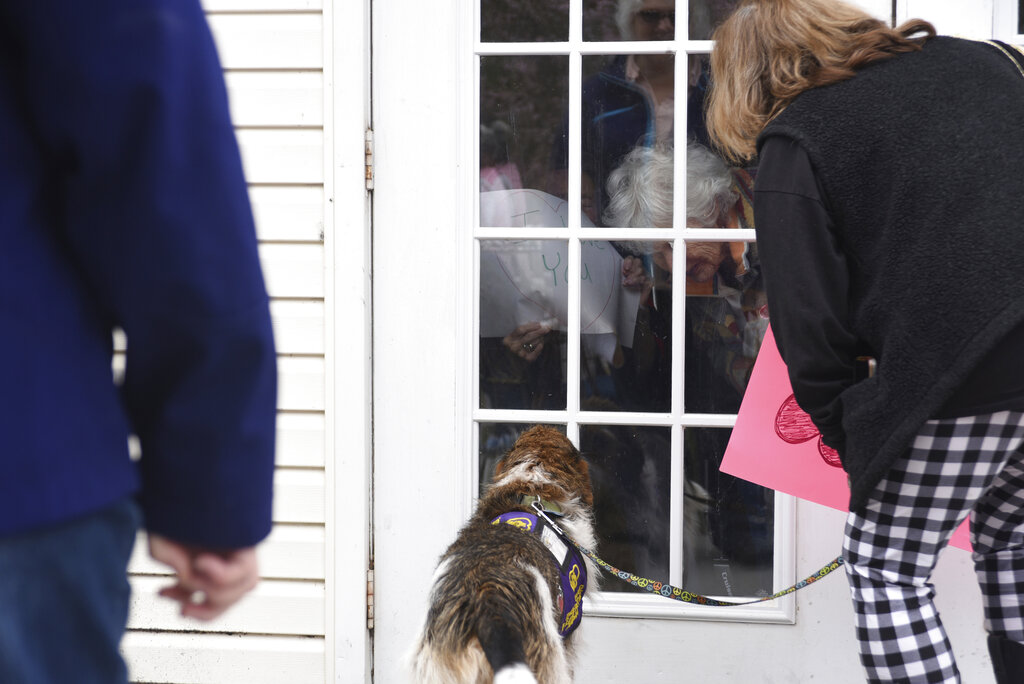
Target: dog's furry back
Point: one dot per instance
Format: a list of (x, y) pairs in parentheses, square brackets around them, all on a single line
[(491, 607)]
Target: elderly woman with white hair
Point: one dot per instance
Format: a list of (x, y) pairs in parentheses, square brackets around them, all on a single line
[(640, 195), (725, 320), (726, 311)]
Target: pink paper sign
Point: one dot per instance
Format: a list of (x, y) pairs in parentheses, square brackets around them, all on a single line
[(775, 444)]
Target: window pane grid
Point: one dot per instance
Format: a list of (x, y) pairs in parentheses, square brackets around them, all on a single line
[(619, 47), (676, 528), (678, 334), (624, 234), (678, 420), (573, 323), (686, 420)]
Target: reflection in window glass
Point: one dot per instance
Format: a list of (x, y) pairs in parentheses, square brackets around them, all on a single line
[(496, 440), (599, 20), (629, 20), (522, 21), (698, 80), (627, 361), (725, 323), (728, 523), (706, 15), (523, 312), (723, 335), (522, 100), (726, 307), (609, 305), (628, 102), (626, 306), (629, 469), (726, 310), (628, 105)]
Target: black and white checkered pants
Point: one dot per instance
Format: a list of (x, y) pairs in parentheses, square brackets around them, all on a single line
[(954, 467)]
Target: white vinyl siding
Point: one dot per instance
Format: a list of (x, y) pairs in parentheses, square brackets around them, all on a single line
[(273, 54), (219, 658)]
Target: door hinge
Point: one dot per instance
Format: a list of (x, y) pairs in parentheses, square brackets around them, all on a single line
[(368, 147), (369, 599)]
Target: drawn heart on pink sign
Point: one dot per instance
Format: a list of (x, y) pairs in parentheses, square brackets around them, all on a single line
[(794, 426), (790, 463)]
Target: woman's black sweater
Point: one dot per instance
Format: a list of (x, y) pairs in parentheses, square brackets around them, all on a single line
[(887, 210)]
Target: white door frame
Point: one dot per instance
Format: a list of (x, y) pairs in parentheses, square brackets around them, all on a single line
[(349, 367), (419, 436), (1005, 22), (972, 19)]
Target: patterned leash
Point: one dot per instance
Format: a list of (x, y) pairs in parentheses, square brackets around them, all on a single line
[(675, 593)]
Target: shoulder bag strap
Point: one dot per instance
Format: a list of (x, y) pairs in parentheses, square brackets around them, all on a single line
[(1013, 52)]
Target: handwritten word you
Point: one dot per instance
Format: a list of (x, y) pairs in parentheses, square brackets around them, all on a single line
[(555, 266)]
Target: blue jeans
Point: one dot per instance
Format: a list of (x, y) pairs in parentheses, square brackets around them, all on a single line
[(64, 599)]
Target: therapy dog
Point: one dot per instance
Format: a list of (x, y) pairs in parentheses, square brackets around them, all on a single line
[(507, 594)]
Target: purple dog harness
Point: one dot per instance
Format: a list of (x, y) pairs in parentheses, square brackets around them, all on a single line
[(572, 571)]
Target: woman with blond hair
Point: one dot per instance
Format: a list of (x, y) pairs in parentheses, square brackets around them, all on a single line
[(887, 205)]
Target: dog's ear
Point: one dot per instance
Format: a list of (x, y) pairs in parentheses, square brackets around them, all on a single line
[(586, 485), (499, 468)]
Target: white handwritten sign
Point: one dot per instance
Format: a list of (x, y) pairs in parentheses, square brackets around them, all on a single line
[(524, 208), (523, 281)]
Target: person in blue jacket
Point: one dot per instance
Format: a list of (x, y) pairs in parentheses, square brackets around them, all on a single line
[(123, 207)]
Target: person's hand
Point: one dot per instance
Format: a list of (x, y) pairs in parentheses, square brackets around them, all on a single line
[(209, 582), (527, 341), (635, 276)]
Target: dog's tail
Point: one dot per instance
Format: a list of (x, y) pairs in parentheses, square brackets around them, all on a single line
[(515, 674), (503, 648), (502, 634)]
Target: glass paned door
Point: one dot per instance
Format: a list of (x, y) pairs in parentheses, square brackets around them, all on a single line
[(625, 313), (439, 423)]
